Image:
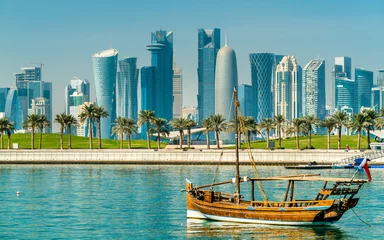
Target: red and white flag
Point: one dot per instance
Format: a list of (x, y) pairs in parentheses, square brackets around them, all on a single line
[(364, 164)]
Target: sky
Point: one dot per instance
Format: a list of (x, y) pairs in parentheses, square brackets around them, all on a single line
[(64, 34)]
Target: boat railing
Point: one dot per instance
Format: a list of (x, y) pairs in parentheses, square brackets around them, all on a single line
[(294, 203)]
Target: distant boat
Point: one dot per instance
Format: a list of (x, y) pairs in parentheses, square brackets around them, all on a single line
[(327, 207)]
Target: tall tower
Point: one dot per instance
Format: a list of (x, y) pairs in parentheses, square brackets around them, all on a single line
[(262, 65), (126, 89), (208, 47), (79, 86), (288, 88), (161, 49), (225, 82), (104, 71), (314, 89), (341, 69), (364, 82), (177, 90)]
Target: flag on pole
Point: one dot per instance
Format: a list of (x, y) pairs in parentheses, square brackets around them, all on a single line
[(364, 165)]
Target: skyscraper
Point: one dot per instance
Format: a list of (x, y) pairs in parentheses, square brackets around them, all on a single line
[(364, 82), (79, 86), (104, 71), (177, 90), (3, 98), (13, 109), (148, 87), (345, 94), (262, 65), (127, 82), (341, 69), (245, 96), (380, 77), (208, 47), (378, 98), (288, 88), (161, 49), (314, 89), (225, 83)]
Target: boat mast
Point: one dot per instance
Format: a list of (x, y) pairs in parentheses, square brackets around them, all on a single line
[(236, 105)]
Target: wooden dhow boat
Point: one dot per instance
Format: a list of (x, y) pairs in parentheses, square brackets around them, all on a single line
[(337, 196)]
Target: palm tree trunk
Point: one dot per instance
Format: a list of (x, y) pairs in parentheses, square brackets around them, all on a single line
[(329, 138), (368, 137), (9, 139), (239, 139), (358, 139), (309, 139), (158, 139), (99, 131), (148, 139), (267, 133), (70, 138), (217, 140), (41, 138), (61, 137), (339, 138), (129, 141), (249, 139), (297, 140), (90, 133), (189, 138), (207, 135), (2, 139), (279, 132), (33, 138), (121, 141)]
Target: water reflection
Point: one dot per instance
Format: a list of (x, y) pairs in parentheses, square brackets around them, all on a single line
[(197, 228)]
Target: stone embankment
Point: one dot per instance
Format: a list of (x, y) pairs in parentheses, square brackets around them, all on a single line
[(175, 156)]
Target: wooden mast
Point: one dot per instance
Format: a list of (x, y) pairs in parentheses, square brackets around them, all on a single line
[(236, 104)]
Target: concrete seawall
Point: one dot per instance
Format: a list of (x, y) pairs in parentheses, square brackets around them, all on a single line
[(165, 156)]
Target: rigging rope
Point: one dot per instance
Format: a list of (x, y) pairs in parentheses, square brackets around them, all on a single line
[(360, 218), (217, 169)]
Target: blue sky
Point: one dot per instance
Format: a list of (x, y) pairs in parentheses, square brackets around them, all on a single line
[(64, 34)]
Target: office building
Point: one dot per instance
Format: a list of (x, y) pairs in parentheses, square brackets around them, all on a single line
[(127, 83), (225, 82), (13, 109), (313, 96), (208, 47), (345, 94), (79, 86), (3, 98), (177, 90), (377, 98), (104, 71), (364, 84), (148, 88), (288, 89), (341, 69), (380, 77), (246, 99)]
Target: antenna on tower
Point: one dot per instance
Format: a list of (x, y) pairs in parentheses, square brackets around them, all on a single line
[(110, 44), (226, 39)]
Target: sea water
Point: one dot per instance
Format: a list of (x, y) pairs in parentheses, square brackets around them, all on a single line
[(145, 202)]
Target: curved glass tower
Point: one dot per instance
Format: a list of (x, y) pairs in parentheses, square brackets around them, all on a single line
[(13, 109), (225, 82), (104, 71)]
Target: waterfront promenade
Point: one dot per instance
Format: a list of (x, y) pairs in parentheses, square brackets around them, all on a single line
[(177, 156)]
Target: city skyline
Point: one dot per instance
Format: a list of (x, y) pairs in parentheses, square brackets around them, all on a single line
[(253, 27)]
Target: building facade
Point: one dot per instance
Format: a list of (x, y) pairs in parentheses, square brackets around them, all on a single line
[(245, 96), (380, 77), (377, 98), (262, 65), (345, 94), (314, 89), (127, 87), (364, 84), (104, 71), (79, 86), (13, 109), (225, 82), (3, 98), (288, 89), (208, 47), (148, 88), (177, 91), (341, 69)]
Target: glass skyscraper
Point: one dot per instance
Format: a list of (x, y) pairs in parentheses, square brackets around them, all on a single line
[(364, 82), (177, 90), (148, 87), (341, 69), (380, 77), (79, 86), (3, 98), (13, 109), (245, 96), (345, 94), (314, 89), (208, 47), (127, 82), (104, 71), (161, 49), (262, 65)]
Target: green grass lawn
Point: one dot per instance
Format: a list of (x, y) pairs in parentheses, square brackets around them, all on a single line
[(318, 142), (52, 141)]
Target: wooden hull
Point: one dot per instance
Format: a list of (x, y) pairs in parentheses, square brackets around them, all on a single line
[(324, 213)]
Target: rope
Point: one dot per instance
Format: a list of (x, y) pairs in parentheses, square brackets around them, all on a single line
[(217, 169), (360, 218)]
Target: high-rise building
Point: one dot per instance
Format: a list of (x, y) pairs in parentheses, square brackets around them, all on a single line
[(262, 65), (380, 77), (314, 89), (148, 87), (225, 83), (79, 86), (364, 83), (345, 94), (104, 71), (378, 98), (3, 98), (161, 49), (208, 47), (41, 106), (288, 89), (127, 82), (245, 96), (177, 90), (13, 109), (341, 69)]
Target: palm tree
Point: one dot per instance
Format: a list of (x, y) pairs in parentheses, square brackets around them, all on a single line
[(330, 124), (70, 121), (358, 122), (42, 123), (309, 122), (207, 124), (267, 124), (382, 112), (371, 117), (250, 126), (9, 127), (100, 112), (31, 122), (161, 127), (88, 113), (119, 128), (130, 128), (296, 124), (279, 125), (146, 116), (3, 123), (219, 125), (341, 119), (190, 124), (62, 120), (180, 124)]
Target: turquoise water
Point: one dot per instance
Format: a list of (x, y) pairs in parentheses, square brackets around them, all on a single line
[(145, 202)]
